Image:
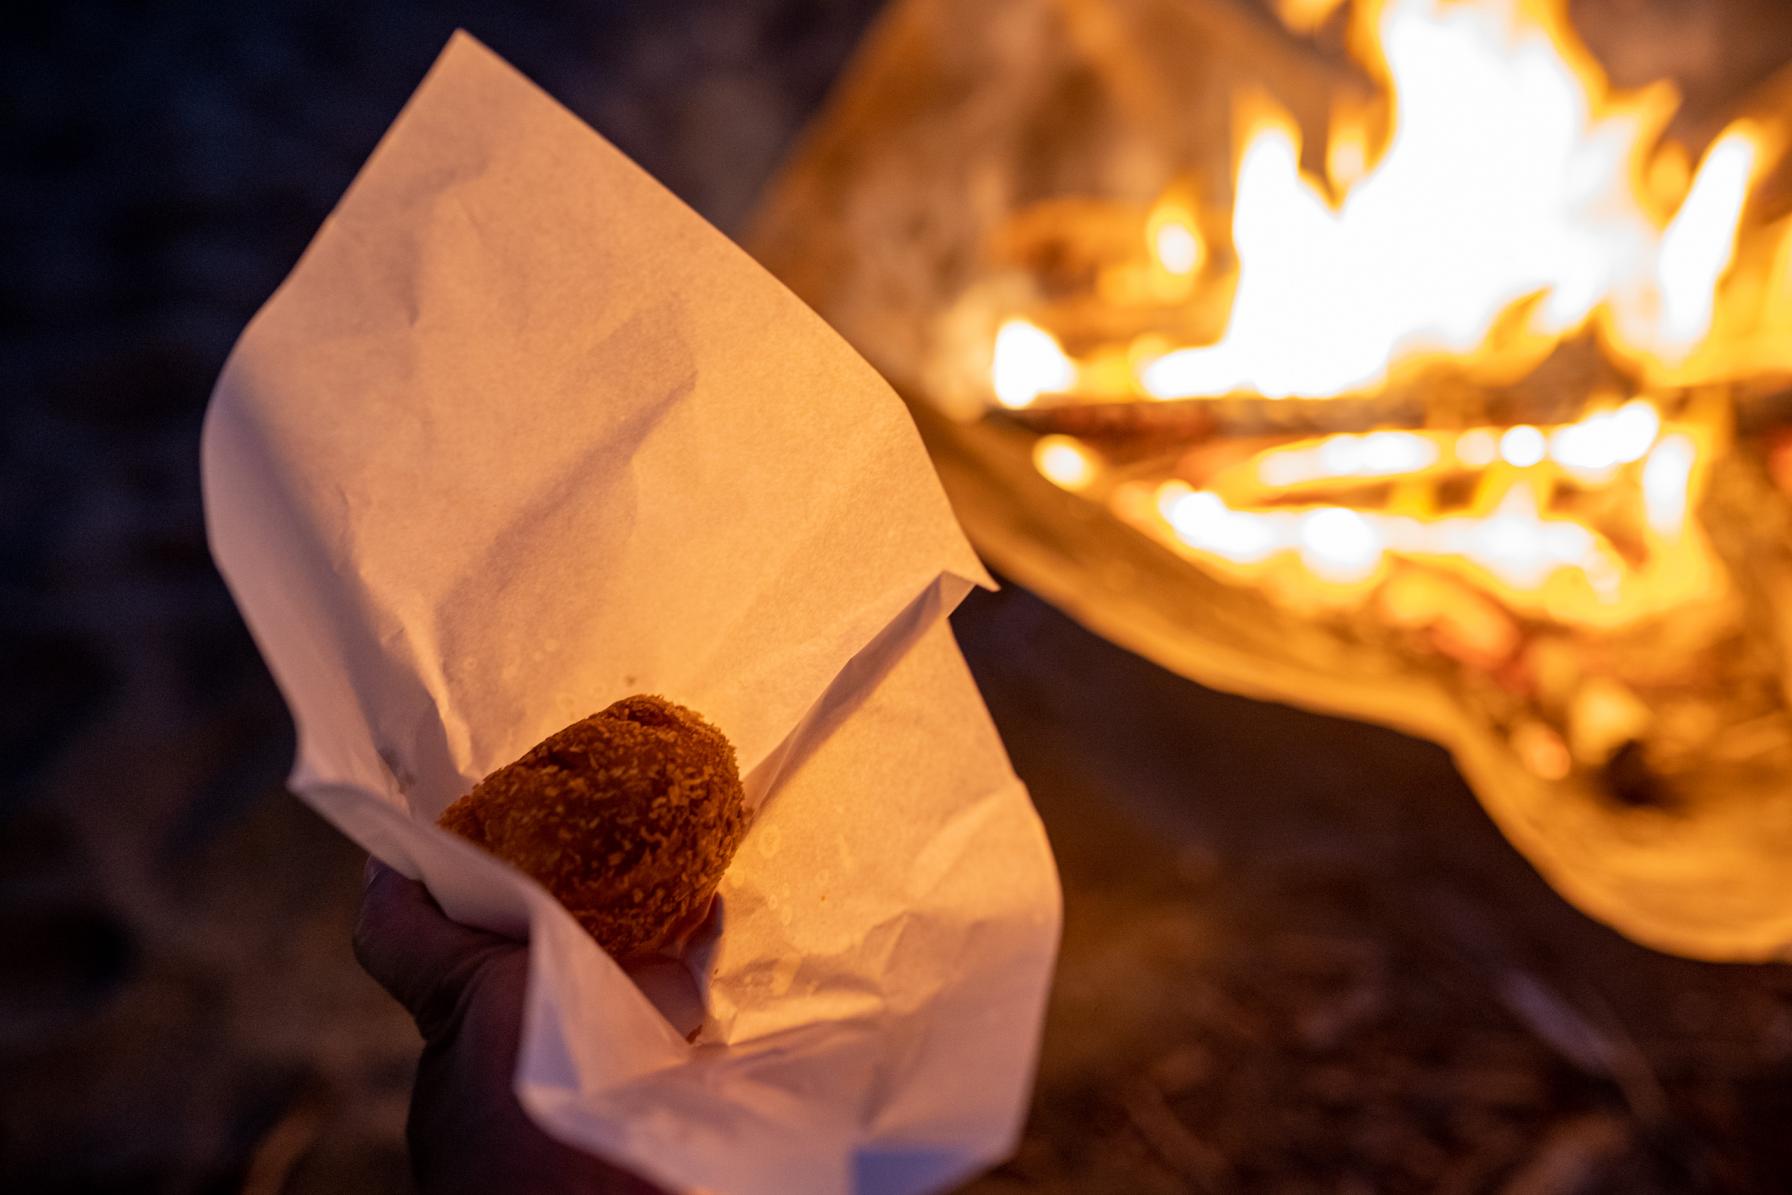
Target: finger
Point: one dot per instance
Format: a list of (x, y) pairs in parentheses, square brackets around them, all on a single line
[(416, 952)]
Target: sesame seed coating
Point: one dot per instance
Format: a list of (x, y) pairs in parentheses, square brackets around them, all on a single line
[(629, 817)]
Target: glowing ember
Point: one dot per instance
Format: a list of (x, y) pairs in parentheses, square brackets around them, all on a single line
[(1176, 246), (1065, 462), (1538, 529), (1028, 363)]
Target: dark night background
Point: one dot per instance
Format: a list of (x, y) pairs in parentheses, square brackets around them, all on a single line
[(1297, 956)]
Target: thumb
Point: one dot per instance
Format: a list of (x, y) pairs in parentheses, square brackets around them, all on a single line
[(427, 961)]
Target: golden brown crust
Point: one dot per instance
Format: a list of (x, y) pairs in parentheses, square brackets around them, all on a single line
[(629, 817)]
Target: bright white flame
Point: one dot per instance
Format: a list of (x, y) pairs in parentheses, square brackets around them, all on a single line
[(1377, 454), (1522, 446), (1698, 245), (1666, 481), (1388, 452), (1515, 544), (1603, 440), (1341, 456), (1339, 545), (1203, 520), (1510, 175), (1028, 362)]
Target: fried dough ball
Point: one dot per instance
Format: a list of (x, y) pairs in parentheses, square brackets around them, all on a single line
[(629, 817)]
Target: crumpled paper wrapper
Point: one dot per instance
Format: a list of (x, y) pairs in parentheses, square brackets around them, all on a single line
[(522, 435)]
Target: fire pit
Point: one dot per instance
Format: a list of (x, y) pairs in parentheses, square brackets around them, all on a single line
[(1385, 360)]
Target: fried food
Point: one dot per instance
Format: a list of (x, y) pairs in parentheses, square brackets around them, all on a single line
[(629, 817)]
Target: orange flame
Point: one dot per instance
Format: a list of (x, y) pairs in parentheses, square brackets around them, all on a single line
[(1512, 201), (1511, 177)]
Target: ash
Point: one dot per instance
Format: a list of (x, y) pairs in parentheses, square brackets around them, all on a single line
[(1296, 954)]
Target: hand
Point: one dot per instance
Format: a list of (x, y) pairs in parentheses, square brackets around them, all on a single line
[(464, 988)]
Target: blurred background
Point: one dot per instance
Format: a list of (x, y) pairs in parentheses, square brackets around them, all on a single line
[(1297, 955)]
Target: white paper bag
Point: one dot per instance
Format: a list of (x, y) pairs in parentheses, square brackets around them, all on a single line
[(522, 435)]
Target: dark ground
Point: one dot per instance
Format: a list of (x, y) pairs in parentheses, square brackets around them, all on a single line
[(1297, 956)]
